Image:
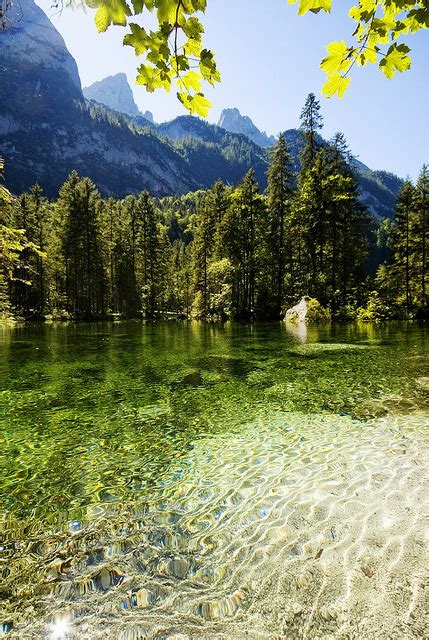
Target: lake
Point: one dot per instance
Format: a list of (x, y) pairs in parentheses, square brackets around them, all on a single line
[(189, 480)]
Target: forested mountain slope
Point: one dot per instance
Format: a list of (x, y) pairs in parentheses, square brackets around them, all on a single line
[(47, 128)]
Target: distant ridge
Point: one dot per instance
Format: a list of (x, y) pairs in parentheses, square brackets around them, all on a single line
[(232, 120), (47, 128), (116, 93)]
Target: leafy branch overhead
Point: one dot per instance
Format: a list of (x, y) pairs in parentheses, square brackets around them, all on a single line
[(378, 26), (174, 54)]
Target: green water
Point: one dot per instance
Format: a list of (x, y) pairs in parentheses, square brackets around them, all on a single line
[(156, 476)]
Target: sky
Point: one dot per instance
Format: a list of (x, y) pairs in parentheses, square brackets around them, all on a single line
[(269, 61)]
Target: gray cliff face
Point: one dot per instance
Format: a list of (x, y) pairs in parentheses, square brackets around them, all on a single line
[(232, 120), (114, 92), (184, 127), (149, 116), (46, 128), (30, 35), (39, 77)]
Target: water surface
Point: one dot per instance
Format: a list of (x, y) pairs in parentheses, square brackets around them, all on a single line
[(201, 481)]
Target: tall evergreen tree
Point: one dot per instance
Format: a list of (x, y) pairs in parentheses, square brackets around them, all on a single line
[(403, 239), (347, 224), (330, 226), (311, 123), (404, 280), (148, 253), (422, 233), (202, 251), (280, 243), (81, 247), (13, 245), (206, 245), (33, 215), (241, 237)]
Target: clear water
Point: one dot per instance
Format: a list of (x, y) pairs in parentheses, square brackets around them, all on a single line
[(202, 481)]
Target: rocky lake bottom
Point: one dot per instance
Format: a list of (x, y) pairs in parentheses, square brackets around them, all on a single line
[(200, 481)]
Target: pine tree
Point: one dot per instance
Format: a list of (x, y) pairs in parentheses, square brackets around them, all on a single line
[(148, 246), (181, 278), (422, 236), (307, 221), (111, 226), (130, 301), (403, 240), (403, 280), (311, 123), (205, 245), (280, 249), (81, 247), (202, 251), (310, 224), (33, 215), (347, 224), (329, 226), (240, 231)]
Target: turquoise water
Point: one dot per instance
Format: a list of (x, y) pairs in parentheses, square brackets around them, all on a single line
[(221, 481)]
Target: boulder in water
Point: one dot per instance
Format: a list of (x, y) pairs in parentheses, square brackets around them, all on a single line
[(309, 311)]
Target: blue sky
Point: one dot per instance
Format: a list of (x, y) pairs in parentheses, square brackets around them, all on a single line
[(269, 60)]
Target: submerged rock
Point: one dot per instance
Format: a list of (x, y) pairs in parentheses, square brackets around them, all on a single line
[(308, 310), (193, 380)]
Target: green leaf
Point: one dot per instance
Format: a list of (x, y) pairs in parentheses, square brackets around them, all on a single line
[(192, 80), (312, 5), (137, 6), (396, 59), (195, 104), (193, 28), (338, 58), (201, 105), (335, 84), (138, 38), (111, 11), (166, 11)]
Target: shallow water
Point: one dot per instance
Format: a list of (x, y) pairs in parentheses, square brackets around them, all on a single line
[(200, 481)]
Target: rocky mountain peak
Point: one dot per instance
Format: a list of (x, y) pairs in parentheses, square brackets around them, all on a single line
[(47, 129), (29, 39), (116, 93), (233, 121), (149, 116)]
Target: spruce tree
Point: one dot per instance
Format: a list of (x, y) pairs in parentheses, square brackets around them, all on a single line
[(241, 229), (81, 247), (402, 241), (280, 249), (205, 245), (33, 215), (311, 123), (422, 237), (148, 254)]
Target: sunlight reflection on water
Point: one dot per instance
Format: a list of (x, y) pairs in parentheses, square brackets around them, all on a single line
[(213, 482)]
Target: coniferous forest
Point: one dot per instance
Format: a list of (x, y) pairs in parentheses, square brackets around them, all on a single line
[(257, 466), (228, 252)]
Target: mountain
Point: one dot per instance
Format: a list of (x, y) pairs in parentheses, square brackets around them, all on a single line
[(47, 128), (32, 43), (148, 115), (116, 93), (233, 121), (214, 153)]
